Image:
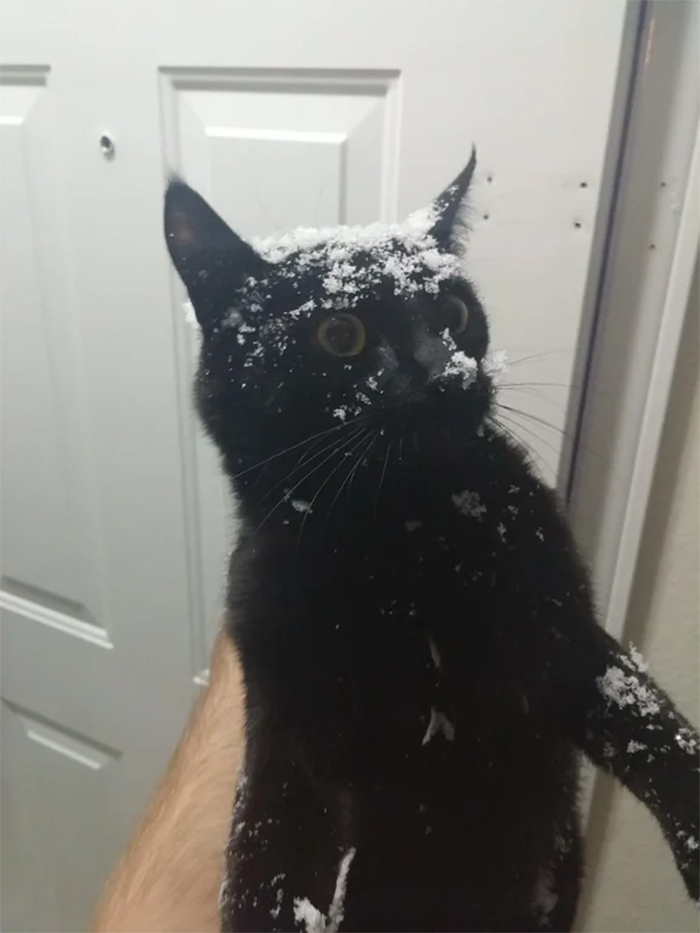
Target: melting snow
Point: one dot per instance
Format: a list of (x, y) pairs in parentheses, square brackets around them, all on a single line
[(469, 504), (637, 659), (448, 339), (435, 654), (405, 253), (544, 898), (275, 911), (314, 920), (686, 740), (438, 723), (462, 366), (561, 845), (691, 843), (495, 364), (627, 690), (635, 747)]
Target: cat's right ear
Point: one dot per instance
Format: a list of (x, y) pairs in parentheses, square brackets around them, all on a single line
[(450, 209), (212, 261)]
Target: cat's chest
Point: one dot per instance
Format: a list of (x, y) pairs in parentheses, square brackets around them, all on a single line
[(403, 623), (392, 617), (452, 565), (428, 560)]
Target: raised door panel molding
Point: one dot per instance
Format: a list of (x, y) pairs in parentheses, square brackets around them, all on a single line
[(49, 527), (58, 846), (57, 740), (271, 149)]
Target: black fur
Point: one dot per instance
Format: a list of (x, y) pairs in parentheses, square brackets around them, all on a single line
[(417, 634)]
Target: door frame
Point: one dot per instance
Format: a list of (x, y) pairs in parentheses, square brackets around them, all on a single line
[(637, 299), (637, 295)]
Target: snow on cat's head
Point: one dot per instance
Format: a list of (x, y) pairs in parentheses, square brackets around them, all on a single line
[(326, 327)]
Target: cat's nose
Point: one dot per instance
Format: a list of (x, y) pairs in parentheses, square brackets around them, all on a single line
[(432, 355)]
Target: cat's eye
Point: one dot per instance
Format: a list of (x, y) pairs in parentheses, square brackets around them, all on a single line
[(342, 335), (453, 315)]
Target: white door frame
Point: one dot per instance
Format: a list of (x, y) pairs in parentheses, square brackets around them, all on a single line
[(638, 300)]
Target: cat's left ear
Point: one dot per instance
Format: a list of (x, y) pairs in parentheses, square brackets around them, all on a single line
[(449, 209), (212, 261)]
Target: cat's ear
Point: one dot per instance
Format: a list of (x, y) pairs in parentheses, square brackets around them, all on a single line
[(212, 261), (449, 210)]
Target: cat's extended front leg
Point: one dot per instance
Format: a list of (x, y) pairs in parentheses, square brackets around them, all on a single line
[(625, 723), (285, 852)]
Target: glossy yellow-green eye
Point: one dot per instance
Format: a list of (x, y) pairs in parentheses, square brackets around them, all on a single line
[(342, 335), (453, 315)]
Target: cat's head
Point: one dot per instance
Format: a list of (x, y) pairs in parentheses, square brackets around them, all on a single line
[(331, 329)]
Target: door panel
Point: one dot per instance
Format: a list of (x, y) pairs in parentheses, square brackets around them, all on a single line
[(48, 523), (309, 148), (116, 522)]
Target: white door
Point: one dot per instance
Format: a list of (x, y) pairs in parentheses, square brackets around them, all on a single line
[(114, 520)]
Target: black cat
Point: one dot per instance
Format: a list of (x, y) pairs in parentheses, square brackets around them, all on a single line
[(417, 633)]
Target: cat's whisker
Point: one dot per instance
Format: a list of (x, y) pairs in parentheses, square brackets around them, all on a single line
[(311, 459), (287, 495), (260, 475), (308, 452), (362, 458), (348, 453), (551, 385), (381, 479), (542, 421), (516, 361), (586, 449), (286, 450), (540, 396), (308, 455), (538, 437), (590, 389), (351, 468), (346, 424), (522, 445), (568, 434), (537, 462)]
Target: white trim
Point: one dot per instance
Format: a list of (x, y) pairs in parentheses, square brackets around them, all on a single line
[(300, 136), (645, 288), (672, 318), (34, 611), (642, 301)]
